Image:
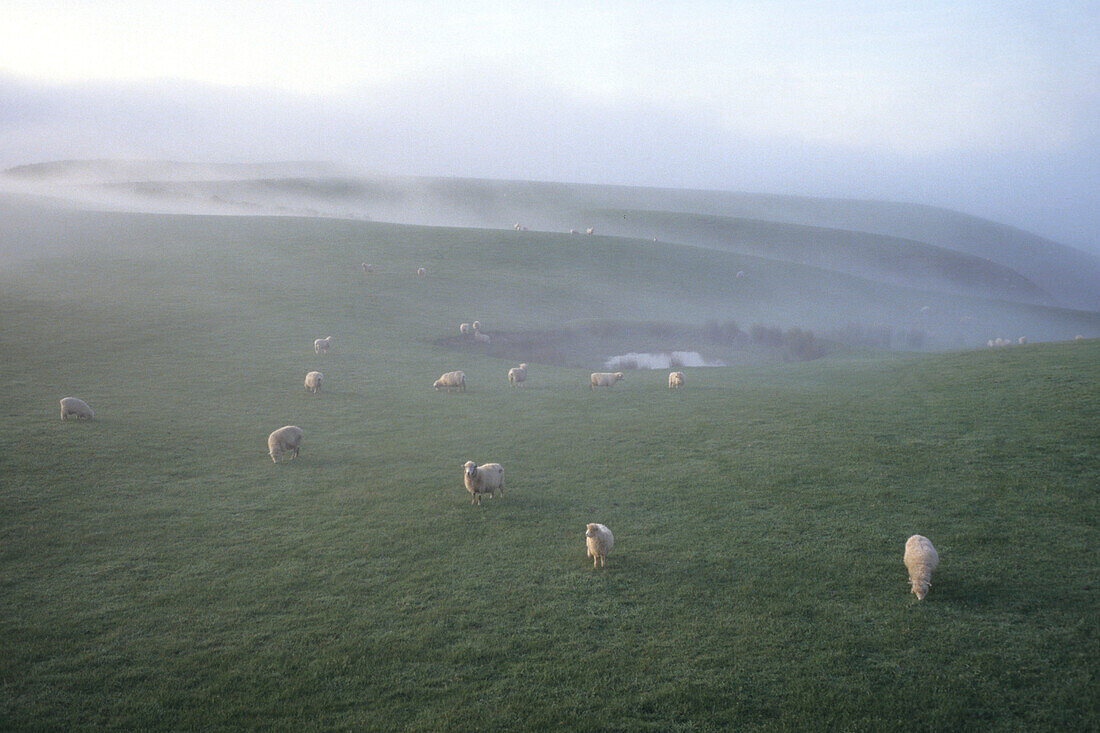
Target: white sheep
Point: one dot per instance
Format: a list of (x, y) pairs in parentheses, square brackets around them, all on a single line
[(476, 325), (991, 344), (1022, 340), (321, 346), (603, 379), (921, 559), (451, 379), (465, 329), (287, 439), (675, 379), (740, 274), (1078, 337), (314, 380), (482, 338), (75, 407), (599, 540), (368, 268), (484, 479), (517, 375), (572, 231), (590, 230), (421, 272), (516, 226)]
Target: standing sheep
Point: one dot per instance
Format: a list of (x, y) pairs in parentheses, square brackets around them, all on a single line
[(75, 407), (590, 230), (476, 325), (421, 272), (482, 338), (321, 346), (600, 541), (314, 380), (517, 375), (603, 379), (368, 268), (1022, 340), (675, 379), (465, 329), (451, 379), (484, 479), (287, 439), (921, 559)]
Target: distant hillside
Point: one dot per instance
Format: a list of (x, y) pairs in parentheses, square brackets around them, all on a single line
[(893, 243)]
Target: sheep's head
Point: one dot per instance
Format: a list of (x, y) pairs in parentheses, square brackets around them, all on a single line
[(920, 589), (438, 383), (618, 375), (523, 366), (471, 469), (590, 530)]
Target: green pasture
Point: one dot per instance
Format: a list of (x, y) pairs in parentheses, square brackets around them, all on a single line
[(158, 571)]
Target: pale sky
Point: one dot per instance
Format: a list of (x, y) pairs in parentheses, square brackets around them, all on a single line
[(890, 83)]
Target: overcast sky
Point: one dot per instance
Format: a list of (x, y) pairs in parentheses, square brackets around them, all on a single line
[(992, 107)]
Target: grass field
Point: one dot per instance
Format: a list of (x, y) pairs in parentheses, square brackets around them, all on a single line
[(158, 571)]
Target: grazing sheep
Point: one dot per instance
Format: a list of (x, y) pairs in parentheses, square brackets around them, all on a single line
[(603, 379), (1022, 340), (922, 560), (482, 338), (368, 268), (321, 346), (740, 274), (465, 329), (451, 379), (484, 479), (287, 439), (600, 541), (590, 230), (314, 380), (926, 309), (675, 379), (421, 272), (517, 374), (75, 407)]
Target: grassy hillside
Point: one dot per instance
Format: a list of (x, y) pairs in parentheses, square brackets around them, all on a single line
[(158, 571)]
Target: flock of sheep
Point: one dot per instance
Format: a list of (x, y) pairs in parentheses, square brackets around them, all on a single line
[(920, 556)]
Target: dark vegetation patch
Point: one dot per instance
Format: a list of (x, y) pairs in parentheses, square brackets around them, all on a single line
[(591, 343)]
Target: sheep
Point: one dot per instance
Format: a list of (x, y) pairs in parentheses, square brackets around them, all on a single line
[(675, 379), (517, 374), (1022, 340), (921, 560), (482, 338), (1078, 337), (603, 379), (572, 231), (314, 380), (75, 407), (740, 274), (599, 540), (516, 226), (421, 272), (990, 342), (321, 346), (926, 309), (476, 325), (465, 329), (287, 439), (368, 268), (484, 479), (451, 379), (590, 230)]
